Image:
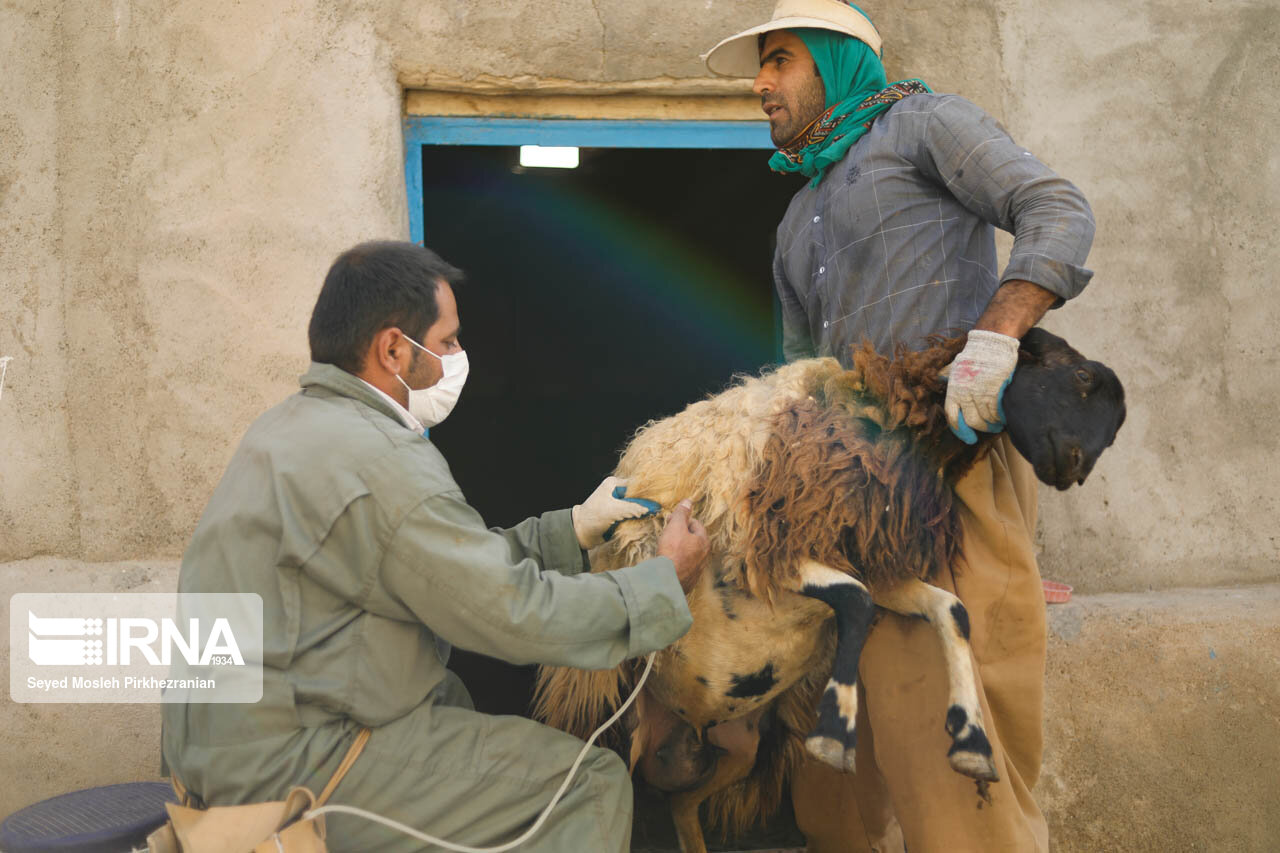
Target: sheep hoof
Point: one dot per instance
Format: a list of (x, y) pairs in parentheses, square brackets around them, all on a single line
[(974, 765), (833, 740), (828, 750), (970, 751), (831, 752)]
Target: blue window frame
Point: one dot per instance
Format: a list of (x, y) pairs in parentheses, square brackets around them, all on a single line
[(583, 133)]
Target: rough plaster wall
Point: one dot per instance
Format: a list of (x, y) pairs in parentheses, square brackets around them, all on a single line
[(38, 510), (585, 40), (182, 177), (48, 749), (1165, 114), (208, 161), (1162, 722)]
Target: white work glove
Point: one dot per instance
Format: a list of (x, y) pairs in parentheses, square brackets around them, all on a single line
[(976, 380), (602, 510)]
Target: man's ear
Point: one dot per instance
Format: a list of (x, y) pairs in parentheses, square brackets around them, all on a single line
[(383, 349)]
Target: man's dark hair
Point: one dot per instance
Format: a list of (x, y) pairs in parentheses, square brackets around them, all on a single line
[(371, 287), (760, 39)]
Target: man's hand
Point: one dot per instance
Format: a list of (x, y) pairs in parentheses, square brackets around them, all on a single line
[(975, 382), (602, 510), (684, 541)]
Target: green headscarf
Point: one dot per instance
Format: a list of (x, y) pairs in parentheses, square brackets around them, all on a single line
[(853, 77)]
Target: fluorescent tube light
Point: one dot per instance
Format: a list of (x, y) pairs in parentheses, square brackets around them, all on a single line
[(547, 157)]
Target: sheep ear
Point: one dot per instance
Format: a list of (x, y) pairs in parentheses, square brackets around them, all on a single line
[(1048, 349)]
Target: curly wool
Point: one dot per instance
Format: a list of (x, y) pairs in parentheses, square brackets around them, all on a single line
[(809, 461), (857, 476)]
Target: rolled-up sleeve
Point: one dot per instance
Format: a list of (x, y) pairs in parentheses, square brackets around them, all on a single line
[(472, 587), (965, 149)]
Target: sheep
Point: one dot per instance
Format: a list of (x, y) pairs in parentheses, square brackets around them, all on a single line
[(818, 486)]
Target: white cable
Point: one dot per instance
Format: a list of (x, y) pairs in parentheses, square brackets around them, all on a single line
[(462, 848)]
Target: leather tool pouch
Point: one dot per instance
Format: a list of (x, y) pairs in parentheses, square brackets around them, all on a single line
[(274, 827)]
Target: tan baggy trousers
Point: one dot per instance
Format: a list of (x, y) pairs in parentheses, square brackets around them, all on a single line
[(904, 790)]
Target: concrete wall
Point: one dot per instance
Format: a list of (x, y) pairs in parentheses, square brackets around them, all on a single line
[(1162, 722), (50, 749), (185, 176), (1157, 110), (177, 177)]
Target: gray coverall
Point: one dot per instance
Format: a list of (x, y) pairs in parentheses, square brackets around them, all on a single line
[(369, 562)]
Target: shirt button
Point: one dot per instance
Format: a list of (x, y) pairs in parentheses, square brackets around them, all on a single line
[(821, 270), (825, 324), (816, 218)]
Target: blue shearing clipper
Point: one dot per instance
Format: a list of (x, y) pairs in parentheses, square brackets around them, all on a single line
[(620, 492)]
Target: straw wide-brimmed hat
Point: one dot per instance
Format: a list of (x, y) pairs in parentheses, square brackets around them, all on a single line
[(739, 56)]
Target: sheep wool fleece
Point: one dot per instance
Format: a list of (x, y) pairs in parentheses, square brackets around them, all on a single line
[(370, 563)]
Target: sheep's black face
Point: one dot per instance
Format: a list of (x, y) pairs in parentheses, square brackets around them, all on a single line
[(1062, 410)]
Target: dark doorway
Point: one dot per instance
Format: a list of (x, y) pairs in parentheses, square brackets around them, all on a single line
[(598, 298)]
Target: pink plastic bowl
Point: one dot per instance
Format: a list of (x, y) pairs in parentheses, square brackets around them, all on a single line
[(1056, 593)]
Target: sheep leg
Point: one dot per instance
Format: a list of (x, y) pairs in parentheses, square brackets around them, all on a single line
[(970, 751), (833, 739), (739, 740)]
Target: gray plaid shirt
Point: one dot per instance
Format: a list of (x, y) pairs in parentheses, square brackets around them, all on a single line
[(896, 242)]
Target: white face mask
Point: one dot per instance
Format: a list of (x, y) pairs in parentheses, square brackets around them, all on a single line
[(432, 405)]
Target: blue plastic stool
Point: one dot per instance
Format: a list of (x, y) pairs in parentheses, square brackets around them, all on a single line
[(110, 819)]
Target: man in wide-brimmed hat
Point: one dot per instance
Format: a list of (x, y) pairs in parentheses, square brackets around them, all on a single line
[(890, 240)]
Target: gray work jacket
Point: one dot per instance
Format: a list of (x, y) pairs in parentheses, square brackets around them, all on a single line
[(365, 552)]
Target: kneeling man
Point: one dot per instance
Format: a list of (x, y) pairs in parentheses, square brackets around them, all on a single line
[(340, 512)]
